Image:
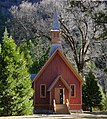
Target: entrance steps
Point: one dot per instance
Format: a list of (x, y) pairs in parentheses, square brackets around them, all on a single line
[(62, 109)]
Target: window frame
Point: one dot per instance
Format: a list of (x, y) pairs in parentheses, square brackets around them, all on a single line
[(41, 96), (74, 90)]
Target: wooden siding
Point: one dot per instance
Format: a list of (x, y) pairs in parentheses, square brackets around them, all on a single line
[(55, 68), (75, 107)]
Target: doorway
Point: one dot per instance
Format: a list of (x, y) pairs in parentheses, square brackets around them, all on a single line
[(60, 95)]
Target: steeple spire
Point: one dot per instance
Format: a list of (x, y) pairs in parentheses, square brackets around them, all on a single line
[(55, 35), (55, 25)]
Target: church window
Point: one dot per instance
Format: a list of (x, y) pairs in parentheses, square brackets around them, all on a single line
[(54, 35), (73, 90), (43, 90), (57, 35)]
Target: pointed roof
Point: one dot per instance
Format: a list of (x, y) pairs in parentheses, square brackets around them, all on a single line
[(55, 25), (65, 61), (56, 80), (54, 47)]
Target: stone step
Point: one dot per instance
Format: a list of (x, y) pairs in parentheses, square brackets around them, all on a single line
[(62, 109)]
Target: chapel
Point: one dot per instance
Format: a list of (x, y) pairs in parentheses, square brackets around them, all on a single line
[(57, 86)]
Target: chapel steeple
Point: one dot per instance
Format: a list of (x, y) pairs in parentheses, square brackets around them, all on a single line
[(55, 25), (55, 35)]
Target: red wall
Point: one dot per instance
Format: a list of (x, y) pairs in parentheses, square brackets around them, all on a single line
[(55, 68)]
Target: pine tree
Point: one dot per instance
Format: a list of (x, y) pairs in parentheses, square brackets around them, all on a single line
[(105, 103), (15, 85), (92, 96), (25, 47)]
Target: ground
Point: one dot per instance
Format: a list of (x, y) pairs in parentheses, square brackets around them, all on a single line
[(62, 116)]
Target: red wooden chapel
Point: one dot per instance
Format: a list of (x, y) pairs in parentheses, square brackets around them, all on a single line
[(57, 86)]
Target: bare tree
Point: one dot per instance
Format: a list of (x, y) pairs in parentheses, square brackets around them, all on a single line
[(81, 31), (31, 20)]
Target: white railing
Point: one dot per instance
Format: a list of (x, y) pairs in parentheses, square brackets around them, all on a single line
[(54, 105), (67, 104)]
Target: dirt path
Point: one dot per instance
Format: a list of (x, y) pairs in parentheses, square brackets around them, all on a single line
[(72, 116)]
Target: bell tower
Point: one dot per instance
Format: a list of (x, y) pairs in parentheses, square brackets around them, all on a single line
[(55, 35)]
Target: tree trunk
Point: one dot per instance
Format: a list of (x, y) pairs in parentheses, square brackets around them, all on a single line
[(90, 109)]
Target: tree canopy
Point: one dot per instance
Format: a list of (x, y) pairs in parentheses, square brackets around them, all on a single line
[(15, 85), (80, 24), (92, 96)]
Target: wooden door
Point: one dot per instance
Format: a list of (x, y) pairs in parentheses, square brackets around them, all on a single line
[(60, 95), (57, 95)]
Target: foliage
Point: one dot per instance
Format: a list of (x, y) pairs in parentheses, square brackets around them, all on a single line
[(0, 48), (3, 19), (80, 29), (15, 85), (25, 47), (105, 103), (101, 62), (105, 70), (36, 53), (79, 24), (30, 21), (83, 27), (92, 96), (102, 58), (39, 53)]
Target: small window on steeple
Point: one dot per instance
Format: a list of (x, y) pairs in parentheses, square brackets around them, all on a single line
[(54, 35), (57, 35)]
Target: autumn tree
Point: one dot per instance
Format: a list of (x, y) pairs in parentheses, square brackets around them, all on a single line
[(15, 85)]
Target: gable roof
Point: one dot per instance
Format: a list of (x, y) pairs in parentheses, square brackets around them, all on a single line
[(66, 62), (56, 80)]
